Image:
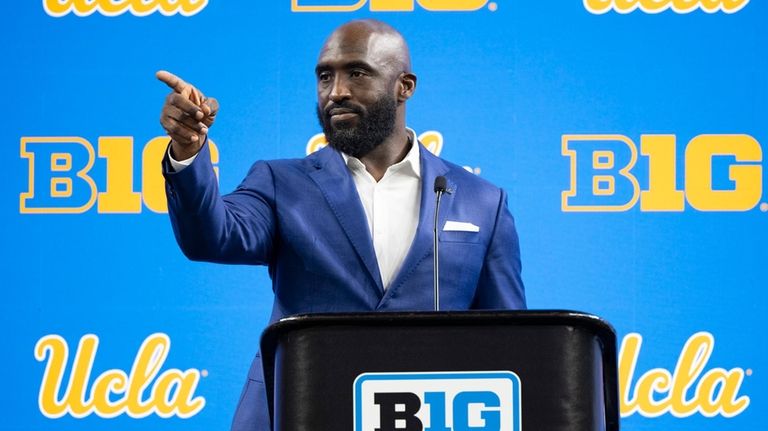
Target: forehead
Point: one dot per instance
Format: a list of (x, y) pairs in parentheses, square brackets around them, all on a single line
[(341, 48)]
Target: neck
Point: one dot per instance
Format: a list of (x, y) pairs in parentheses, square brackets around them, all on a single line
[(392, 150)]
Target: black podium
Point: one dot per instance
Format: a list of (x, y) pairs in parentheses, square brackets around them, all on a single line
[(442, 371)]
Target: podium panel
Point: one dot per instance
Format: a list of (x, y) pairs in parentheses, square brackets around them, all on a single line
[(442, 371)]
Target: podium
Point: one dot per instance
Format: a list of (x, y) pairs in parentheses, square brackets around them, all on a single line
[(442, 371)]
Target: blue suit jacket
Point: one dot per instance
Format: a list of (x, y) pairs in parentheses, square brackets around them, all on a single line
[(303, 219)]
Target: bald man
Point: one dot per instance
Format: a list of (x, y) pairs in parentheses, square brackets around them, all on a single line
[(348, 228)]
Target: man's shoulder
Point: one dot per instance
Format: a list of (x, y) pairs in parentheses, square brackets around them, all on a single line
[(315, 159)]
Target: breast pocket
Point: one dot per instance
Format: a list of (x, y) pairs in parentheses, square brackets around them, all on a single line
[(460, 236)]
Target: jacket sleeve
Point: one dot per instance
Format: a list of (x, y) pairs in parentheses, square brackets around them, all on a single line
[(236, 228), (501, 283)]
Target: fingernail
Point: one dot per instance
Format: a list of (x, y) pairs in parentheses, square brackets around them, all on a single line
[(199, 115), (194, 138)]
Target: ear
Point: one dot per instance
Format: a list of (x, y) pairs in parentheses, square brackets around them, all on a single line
[(406, 85)]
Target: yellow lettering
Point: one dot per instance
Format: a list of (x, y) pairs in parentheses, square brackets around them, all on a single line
[(603, 184), (113, 7), (167, 7), (747, 178), (662, 193), (653, 6), (731, 404), (690, 364), (191, 7), (150, 358), (186, 403), (85, 7), (656, 6), (78, 405), (684, 6), (58, 8), (163, 395), (61, 184), (625, 6), (139, 394), (109, 382), (391, 5), (452, 5), (56, 350), (119, 197), (432, 141), (174, 393), (628, 354), (143, 8), (152, 182), (598, 6), (653, 381), (296, 7), (681, 393), (705, 395)]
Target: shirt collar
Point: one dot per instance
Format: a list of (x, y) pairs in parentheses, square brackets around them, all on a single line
[(411, 159)]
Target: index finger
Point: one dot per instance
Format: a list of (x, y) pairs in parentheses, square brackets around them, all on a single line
[(171, 80)]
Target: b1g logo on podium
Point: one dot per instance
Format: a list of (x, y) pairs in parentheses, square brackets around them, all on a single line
[(437, 401)]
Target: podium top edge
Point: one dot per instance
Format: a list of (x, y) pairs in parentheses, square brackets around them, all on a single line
[(471, 317)]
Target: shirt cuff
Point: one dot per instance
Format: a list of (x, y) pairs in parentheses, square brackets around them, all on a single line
[(179, 165)]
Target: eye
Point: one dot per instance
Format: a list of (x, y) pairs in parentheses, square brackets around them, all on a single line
[(357, 73), (324, 76)]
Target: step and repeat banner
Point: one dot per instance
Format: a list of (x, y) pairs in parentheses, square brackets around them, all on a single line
[(630, 135)]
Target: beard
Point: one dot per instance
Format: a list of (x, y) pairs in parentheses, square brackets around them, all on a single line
[(371, 130)]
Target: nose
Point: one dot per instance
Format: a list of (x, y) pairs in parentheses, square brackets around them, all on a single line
[(340, 89)]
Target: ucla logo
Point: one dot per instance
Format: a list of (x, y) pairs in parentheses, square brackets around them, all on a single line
[(657, 6), (385, 5), (720, 173), (64, 176), (444, 401), (139, 393), (691, 388), (431, 139), (59, 8)]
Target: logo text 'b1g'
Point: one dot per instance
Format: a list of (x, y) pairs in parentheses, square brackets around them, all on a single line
[(439, 401)]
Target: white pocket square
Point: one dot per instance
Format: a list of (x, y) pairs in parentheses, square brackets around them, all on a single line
[(460, 226)]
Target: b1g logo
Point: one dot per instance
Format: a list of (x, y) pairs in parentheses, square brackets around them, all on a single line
[(69, 175), (438, 401), (385, 5), (720, 173)]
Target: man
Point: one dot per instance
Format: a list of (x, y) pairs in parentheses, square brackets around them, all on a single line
[(348, 228)]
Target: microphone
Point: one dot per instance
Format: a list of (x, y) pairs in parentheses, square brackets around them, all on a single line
[(441, 186)]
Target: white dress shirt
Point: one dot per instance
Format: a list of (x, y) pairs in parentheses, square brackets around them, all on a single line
[(391, 205), (392, 208)]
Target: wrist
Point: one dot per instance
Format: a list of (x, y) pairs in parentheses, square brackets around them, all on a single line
[(183, 152)]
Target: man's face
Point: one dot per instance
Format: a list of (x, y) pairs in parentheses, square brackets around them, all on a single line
[(355, 92)]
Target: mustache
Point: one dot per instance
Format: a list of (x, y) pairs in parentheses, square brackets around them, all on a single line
[(344, 106)]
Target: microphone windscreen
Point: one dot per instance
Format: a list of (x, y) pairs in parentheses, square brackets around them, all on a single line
[(441, 184)]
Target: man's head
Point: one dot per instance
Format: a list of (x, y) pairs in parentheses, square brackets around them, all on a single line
[(363, 80)]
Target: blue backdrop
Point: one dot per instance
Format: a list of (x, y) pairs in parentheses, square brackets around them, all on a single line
[(629, 135)]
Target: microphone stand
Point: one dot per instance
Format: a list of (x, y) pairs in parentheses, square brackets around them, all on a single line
[(441, 186)]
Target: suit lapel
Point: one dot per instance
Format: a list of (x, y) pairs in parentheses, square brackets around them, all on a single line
[(431, 167), (332, 177)]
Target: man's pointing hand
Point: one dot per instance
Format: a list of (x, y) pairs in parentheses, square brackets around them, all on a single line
[(186, 116)]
